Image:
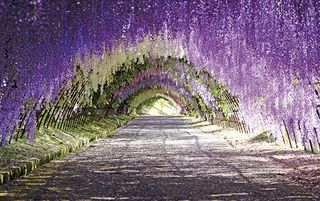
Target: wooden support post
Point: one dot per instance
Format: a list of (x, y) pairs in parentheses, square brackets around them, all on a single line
[(287, 133), (311, 146)]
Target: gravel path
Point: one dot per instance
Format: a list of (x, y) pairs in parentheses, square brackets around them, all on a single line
[(157, 158)]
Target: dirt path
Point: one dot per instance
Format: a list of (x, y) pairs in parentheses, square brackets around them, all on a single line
[(158, 158)]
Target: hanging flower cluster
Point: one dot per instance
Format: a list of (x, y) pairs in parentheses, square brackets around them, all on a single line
[(147, 79)]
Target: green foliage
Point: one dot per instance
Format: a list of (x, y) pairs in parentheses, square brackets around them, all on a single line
[(264, 136), (115, 105), (193, 113), (159, 105), (225, 103), (50, 140), (199, 101), (30, 103), (120, 78), (148, 103), (134, 111), (144, 94)]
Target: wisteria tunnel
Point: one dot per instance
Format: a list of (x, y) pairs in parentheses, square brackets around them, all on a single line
[(244, 65)]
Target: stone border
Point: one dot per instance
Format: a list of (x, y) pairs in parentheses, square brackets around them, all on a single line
[(25, 169)]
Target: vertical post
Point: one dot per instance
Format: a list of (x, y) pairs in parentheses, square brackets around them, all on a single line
[(287, 133), (311, 146)]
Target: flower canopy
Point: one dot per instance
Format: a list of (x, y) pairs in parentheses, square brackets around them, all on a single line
[(62, 54)]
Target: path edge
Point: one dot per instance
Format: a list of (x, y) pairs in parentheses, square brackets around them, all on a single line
[(23, 170)]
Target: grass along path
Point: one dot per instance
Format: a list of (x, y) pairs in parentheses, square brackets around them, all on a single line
[(159, 158), (19, 158)]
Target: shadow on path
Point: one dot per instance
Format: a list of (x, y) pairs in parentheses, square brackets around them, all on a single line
[(157, 158)]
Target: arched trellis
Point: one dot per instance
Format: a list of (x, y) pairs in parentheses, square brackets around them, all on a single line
[(163, 81), (63, 113), (74, 97), (220, 111), (145, 94)]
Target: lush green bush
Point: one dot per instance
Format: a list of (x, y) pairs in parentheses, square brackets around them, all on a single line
[(264, 136)]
